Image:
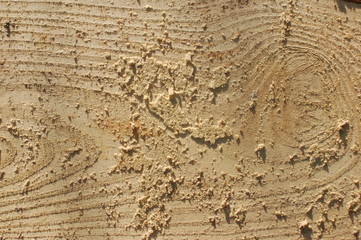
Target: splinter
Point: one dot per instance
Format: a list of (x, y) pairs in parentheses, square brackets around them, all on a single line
[(7, 27)]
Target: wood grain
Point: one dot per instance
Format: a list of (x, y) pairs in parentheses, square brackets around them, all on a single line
[(180, 119)]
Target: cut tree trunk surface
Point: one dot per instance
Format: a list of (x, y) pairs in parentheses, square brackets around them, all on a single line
[(196, 119)]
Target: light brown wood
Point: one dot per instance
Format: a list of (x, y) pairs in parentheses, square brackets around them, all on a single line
[(194, 119)]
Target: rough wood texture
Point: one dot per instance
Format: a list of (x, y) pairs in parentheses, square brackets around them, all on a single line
[(167, 119)]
